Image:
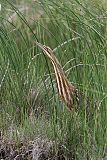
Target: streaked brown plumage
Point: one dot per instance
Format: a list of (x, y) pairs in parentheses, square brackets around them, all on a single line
[(66, 91)]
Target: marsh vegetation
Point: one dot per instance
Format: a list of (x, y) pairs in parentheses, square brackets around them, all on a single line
[(30, 109)]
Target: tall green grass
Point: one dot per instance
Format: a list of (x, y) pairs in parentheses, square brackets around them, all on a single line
[(76, 30)]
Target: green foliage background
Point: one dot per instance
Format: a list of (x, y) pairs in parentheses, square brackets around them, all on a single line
[(77, 31)]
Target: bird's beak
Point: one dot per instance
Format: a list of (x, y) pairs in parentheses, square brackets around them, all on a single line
[(40, 45), (44, 48), (47, 51)]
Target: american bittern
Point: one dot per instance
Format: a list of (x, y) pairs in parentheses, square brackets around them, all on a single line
[(67, 92)]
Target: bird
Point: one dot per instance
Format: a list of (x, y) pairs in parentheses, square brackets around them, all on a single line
[(67, 92)]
